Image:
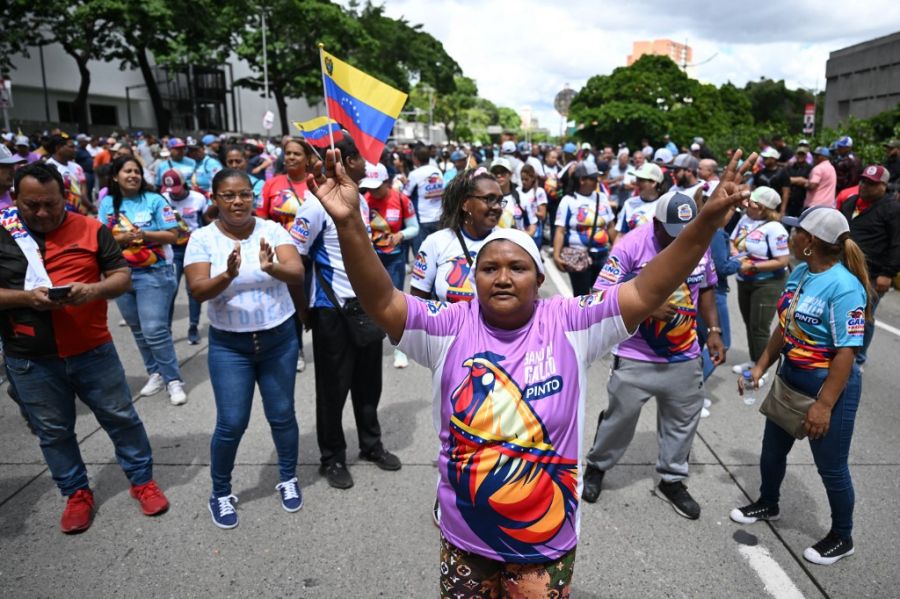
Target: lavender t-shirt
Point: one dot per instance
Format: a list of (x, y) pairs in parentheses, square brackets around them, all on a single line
[(657, 340), (509, 411)]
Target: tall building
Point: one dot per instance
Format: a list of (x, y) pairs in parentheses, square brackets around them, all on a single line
[(862, 80), (681, 54)]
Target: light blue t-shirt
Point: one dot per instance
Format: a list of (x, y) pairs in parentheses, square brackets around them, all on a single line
[(148, 211), (204, 172), (185, 166), (830, 314), (254, 300)]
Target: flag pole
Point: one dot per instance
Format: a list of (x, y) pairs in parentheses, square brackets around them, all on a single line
[(325, 92)]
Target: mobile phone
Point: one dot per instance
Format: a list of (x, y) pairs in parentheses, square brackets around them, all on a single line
[(58, 293)]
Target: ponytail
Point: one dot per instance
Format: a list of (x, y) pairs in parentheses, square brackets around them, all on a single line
[(855, 261)]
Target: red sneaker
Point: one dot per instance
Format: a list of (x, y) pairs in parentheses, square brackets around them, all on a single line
[(151, 498), (79, 512)]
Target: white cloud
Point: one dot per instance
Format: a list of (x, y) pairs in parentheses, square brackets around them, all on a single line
[(522, 52)]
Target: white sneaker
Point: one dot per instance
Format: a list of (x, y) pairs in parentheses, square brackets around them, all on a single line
[(704, 413), (177, 396), (122, 323), (740, 368), (707, 402), (301, 362), (400, 359), (154, 385)]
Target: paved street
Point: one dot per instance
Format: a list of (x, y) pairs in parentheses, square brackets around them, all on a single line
[(377, 539)]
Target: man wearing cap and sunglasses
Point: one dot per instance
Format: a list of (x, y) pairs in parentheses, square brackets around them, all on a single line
[(661, 360), (874, 217)]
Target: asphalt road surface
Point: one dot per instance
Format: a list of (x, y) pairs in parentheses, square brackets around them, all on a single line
[(377, 539)]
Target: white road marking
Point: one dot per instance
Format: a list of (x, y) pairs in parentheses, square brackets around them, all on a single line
[(558, 280), (887, 327), (776, 581)]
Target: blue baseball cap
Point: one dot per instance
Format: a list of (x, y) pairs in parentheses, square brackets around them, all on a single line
[(822, 151), (457, 155), (208, 139), (844, 142), (176, 142), (570, 148)]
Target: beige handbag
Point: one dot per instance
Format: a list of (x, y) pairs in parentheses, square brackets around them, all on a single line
[(784, 405)]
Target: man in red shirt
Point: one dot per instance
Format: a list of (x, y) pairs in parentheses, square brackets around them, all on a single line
[(57, 269)]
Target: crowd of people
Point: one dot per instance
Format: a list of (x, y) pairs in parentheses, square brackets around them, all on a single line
[(278, 238)]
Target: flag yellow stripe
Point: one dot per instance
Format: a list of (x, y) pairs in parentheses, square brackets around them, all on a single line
[(316, 123), (365, 88)]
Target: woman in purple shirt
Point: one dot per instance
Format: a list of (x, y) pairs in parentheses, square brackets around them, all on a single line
[(510, 372)]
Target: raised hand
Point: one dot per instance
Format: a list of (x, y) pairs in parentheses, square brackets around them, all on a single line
[(339, 194), (233, 266), (266, 256), (728, 192)]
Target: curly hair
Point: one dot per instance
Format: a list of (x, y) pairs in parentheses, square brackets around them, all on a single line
[(455, 193)]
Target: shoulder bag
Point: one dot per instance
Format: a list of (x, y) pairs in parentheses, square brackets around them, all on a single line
[(784, 405), (579, 259), (363, 332)]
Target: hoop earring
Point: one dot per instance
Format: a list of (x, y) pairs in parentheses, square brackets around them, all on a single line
[(807, 252)]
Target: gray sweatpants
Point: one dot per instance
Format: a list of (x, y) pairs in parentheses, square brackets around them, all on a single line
[(678, 388)]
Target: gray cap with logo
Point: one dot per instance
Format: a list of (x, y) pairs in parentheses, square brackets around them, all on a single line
[(675, 210)]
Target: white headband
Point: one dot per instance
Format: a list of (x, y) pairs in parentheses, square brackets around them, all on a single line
[(521, 239)]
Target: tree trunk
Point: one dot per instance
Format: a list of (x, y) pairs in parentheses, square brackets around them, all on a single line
[(281, 101), (160, 112), (80, 104)]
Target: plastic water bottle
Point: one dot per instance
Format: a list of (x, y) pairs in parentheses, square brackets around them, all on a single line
[(749, 389)]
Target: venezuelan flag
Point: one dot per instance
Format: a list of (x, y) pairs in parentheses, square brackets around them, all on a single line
[(316, 131), (365, 106)]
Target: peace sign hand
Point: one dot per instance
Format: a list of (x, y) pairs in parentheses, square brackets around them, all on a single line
[(338, 193)]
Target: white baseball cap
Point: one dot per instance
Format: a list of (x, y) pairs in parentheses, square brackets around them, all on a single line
[(766, 196), (823, 222), (649, 171), (376, 175)]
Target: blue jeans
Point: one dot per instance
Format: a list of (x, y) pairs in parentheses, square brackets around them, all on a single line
[(395, 265), (237, 363), (146, 310), (47, 390), (868, 333), (724, 324), (830, 452), (193, 305)]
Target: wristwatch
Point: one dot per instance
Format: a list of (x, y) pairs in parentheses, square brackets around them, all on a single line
[(710, 330)]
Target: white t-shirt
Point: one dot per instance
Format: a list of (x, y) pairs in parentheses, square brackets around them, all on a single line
[(189, 208), (513, 214), (689, 191), (761, 240), (315, 236), (441, 267), (531, 199), (576, 212), (424, 187), (254, 301), (634, 213)]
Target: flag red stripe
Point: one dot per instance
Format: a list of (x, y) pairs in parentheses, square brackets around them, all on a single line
[(369, 147)]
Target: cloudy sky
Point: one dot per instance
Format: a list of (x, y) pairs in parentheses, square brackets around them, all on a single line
[(522, 52)]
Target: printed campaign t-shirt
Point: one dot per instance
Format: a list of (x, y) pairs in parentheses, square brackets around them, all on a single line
[(634, 213), (658, 340), (149, 212), (315, 236), (281, 200), (74, 181), (509, 411), (441, 267), (387, 216), (760, 240), (254, 300), (185, 166), (204, 173), (514, 214), (188, 209), (576, 214), (424, 187), (830, 314)]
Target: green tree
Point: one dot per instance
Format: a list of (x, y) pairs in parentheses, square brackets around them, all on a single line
[(84, 29), (450, 108), (175, 34), (294, 30), (509, 119)]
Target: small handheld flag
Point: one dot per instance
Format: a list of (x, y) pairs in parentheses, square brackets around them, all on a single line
[(365, 106), (316, 131)]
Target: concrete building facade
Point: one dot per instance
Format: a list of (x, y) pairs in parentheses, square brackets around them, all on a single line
[(862, 80), (681, 54)]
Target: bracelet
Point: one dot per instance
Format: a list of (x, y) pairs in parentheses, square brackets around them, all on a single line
[(713, 330)]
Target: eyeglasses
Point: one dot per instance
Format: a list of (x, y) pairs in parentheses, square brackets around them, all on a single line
[(228, 198), (491, 199)]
